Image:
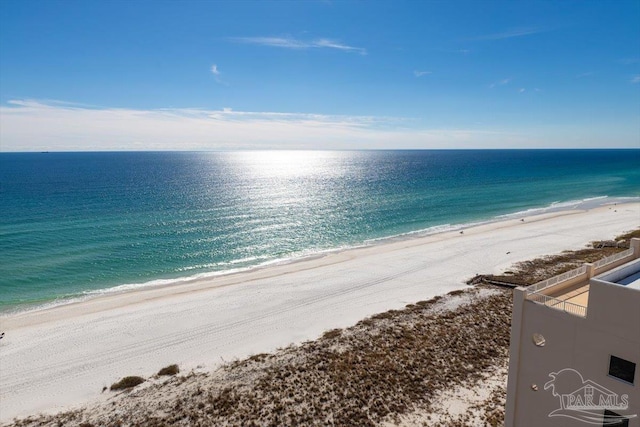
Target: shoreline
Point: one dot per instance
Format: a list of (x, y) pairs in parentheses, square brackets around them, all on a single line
[(554, 208), (62, 356), (114, 298)]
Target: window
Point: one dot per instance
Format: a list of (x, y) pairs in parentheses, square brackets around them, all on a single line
[(611, 419), (622, 369)]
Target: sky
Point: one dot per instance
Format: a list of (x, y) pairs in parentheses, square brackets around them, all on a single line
[(93, 75)]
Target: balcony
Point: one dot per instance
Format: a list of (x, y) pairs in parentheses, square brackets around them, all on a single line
[(569, 292)]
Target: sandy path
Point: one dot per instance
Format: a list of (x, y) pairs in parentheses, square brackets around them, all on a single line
[(55, 358)]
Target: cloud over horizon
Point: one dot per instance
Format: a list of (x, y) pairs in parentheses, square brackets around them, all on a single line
[(32, 125)]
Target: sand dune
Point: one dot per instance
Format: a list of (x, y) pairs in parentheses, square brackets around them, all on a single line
[(64, 356)]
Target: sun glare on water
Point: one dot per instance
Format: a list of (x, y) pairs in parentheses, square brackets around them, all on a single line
[(283, 164)]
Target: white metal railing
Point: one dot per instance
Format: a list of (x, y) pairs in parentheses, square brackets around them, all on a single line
[(534, 292), (613, 258), (538, 287), (568, 307)]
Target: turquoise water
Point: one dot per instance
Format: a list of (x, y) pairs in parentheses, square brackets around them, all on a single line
[(73, 223)]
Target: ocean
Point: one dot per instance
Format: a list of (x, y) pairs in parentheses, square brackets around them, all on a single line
[(73, 225)]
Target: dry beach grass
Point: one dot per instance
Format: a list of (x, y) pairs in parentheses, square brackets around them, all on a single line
[(385, 365), (400, 367)]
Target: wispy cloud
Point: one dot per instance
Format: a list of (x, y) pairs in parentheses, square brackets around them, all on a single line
[(291, 43), (284, 42), (418, 73), (500, 83), (587, 74), (457, 51), (522, 90), (336, 45), (635, 79), (509, 34), (31, 125), (629, 61), (216, 74)]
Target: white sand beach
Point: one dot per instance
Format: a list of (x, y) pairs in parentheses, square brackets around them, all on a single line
[(60, 357)]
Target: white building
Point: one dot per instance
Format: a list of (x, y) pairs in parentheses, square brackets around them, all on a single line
[(575, 347)]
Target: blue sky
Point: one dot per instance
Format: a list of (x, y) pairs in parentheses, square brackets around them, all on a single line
[(136, 75)]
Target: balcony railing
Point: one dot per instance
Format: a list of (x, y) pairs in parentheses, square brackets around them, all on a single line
[(558, 304), (535, 292), (613, 258), (540, 286)]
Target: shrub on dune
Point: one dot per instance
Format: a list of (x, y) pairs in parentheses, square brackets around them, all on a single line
[(169, 370), (127, 382)]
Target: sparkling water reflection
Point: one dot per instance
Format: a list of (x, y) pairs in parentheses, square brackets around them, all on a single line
[(77, 221)]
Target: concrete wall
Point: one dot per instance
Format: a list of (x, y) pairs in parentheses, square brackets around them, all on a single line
[(532, 407), (621, 272), (519, 296), (612, 326), (615, 310)]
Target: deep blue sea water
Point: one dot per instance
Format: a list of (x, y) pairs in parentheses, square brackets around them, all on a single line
[(73, 223)]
